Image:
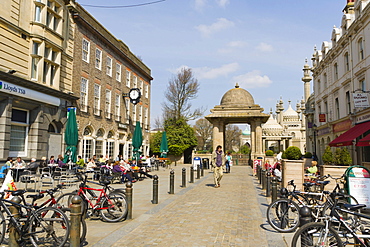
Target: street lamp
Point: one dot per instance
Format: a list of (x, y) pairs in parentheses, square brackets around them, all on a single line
[(314, 128)]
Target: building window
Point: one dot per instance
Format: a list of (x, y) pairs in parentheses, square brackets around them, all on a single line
[(146, 117), (118, 72), (337, 113), (318, 86), (99, 147), (363, 85), (98, 56), (97, 99), (109, 149), (127, 101), (348, 103), (53, 17), (108, 96), (325, 79), (38, 13), (35, 60), (51, 65), (117, 107), (335, 71), (87, 148), (85, 50), (18, 132), (83, 94), (361, 50), (135, 81), (128, 75), (146, 91), (346, 61), (109, 66)]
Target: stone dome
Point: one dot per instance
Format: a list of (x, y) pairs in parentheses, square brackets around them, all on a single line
[(237, 96), (272, 127), (290, 114), (246, 132)]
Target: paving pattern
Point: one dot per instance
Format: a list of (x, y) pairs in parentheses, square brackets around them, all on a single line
[(199, 215)]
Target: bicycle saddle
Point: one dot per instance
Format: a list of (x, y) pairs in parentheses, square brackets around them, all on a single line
[(35, 196), (308, 184), (105, 182), (16, 192), (323, 182)]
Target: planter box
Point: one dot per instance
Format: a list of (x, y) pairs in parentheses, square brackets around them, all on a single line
[(293, 170), (334, 171)]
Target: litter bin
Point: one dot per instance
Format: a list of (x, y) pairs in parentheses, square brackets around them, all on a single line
[(205, 162), (197, 161)]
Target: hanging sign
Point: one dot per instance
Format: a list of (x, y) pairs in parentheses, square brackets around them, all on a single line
[(361, 99)]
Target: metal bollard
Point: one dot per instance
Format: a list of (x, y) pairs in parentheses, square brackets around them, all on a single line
[(183, 177), (191, 174), (304, 215), (268, 184), (75, 233), (13, 233), (155, 189), (129, 199), (172, 182), (260, 174), (198, 171), (201, 171), (273, 189), (263, 178)]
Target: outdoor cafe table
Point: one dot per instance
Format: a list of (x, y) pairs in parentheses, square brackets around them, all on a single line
[(16, 173)]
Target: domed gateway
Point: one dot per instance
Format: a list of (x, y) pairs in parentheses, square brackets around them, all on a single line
[(237, 107)]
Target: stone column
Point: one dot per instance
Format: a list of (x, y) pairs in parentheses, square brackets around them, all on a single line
[(253, 139), (258, 139), (218, 133)]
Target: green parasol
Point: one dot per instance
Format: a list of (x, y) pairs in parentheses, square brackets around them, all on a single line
[(71, 136), (137, 140), (164, 145)]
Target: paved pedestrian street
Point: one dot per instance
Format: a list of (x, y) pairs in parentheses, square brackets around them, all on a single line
[(198, 215)]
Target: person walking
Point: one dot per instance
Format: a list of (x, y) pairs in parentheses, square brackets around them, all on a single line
[(228, 162), (218, 160)]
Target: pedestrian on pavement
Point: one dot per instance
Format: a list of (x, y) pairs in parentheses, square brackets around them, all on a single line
[(228, 162), (218, 161)]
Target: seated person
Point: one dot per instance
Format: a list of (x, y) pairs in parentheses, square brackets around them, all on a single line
[(143, 172), (80, 162), (43, 163), (277, 172), (60, 162), (313, 169), (19, 163), (32, 166), (117, 169), (91, 165), (52, 161)]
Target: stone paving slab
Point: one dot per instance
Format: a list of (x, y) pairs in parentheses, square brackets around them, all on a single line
[(198, 215)]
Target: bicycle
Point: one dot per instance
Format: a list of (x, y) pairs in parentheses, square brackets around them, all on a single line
[(47, 226), (320, 233), (110, 207), (283, 213)]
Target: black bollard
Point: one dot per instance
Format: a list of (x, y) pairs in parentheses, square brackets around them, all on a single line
[(172, 182), (273, 189), (263, 178), (268, 184), (129, 199), (75, 218), (260, 174), (13, 233), (183, 177), (304, 215), (198, 171), (201, 171), (155, 189), (191, 174)]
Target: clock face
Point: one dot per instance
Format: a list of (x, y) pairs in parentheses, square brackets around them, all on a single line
[(134, 94)]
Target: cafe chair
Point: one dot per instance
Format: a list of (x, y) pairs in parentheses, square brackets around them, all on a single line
[(28, 178)]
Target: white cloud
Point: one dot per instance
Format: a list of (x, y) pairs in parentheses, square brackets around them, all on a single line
[(252, 79), (222, 3), (199, 4), (220, 24), (264, 47), (237, 44), (212, 73)]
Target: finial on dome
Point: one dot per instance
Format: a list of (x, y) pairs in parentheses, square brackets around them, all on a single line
[(237, 85)]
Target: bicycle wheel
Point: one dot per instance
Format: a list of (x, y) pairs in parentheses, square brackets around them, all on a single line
[(316, 234), (48, 227), (3, 224), (283, 215), (65, 200), (114, 207)]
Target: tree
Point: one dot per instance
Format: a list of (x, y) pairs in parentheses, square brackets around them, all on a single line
[(203, 129), (232, 137), (181, 89), (327, 157), (244, 149), (155, 142)]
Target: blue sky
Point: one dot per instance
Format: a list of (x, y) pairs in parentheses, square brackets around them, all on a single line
[(262, 45)]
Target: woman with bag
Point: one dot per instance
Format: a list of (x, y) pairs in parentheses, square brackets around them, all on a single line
[(229, 162)]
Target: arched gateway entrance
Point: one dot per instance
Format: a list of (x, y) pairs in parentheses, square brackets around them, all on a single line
[(238, 107)]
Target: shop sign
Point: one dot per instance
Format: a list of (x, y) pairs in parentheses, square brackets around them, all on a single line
[(323, 131), (342, 126), (13, 89), (256, 163), (363, 118), (359, 184), (322, 118), (361, 99)]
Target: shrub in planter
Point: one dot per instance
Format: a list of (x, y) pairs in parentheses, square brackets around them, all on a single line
[(342, 157), (269, 153), (327, 157), (292, 153), (308, 155)]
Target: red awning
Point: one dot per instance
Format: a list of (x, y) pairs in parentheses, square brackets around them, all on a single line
[(364, 141), (347, 137)]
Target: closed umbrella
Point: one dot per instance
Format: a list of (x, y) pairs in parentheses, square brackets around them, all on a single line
[(164, 145), (137, 141), (71, 136)]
